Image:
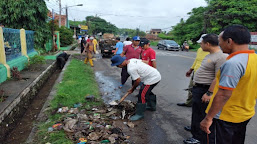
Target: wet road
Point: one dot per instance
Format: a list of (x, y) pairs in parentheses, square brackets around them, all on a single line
[(166, 125)]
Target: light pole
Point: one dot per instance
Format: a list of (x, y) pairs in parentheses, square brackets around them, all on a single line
[(60, 12), (67, 20)]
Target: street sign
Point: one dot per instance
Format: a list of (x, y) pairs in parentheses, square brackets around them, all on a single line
[(84, 27)]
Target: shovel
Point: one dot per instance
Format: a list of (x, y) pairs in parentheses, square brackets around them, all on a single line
[(122, 99)]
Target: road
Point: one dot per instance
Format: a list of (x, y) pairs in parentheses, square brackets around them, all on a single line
[(166, 125)]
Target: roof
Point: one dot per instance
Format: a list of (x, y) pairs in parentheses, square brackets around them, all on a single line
[(156, 30)]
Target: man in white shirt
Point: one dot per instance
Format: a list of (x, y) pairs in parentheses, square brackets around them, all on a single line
[(127, 42), (140, 72)]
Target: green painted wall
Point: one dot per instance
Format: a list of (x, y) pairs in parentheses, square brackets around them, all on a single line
[(3, 73), (32, 54), (18, 62)]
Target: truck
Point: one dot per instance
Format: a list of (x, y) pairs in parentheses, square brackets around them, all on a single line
[(107, 45)]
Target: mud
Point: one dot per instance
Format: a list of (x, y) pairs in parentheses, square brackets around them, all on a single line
[(25, 124)]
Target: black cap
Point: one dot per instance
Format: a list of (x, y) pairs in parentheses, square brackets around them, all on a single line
[(144, 42)]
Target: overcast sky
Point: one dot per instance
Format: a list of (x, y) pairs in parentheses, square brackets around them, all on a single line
[(143, 14)]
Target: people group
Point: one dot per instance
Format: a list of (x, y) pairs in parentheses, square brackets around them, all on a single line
[(88, 46), (222, 85), (223, 96)]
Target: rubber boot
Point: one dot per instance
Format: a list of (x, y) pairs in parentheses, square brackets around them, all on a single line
[(91, 62), (140, 109), (151, 103), (85, 61)]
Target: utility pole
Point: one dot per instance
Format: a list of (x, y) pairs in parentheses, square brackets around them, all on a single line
[(60, 12), (67, 20), (53, 43)]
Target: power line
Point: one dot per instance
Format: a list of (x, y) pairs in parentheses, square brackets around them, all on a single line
[(105, 14)]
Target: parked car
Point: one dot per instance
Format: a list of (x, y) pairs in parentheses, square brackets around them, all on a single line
[(168, 45)]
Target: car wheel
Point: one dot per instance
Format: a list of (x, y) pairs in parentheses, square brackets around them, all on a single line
[(158, 47)]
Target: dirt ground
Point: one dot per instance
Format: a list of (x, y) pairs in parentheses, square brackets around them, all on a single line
[(23, 127)]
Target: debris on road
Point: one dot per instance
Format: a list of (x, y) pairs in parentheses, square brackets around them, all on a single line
[(97, 124)]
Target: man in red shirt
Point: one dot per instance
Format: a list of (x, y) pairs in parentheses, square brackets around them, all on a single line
[(148, 54), (130, 51)]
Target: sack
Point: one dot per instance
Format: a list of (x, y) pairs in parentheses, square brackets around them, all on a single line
[(186, 47)]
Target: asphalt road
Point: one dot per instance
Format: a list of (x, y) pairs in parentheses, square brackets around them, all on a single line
[(166, 125)]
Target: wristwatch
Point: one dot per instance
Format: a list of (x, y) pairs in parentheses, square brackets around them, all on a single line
[(208, 93)]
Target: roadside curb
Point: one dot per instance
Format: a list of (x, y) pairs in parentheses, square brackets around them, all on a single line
[(42, 116)]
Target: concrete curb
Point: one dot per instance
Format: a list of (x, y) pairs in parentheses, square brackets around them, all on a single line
[(18, 106), (42, 116)]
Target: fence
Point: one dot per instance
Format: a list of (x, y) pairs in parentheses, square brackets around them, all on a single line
[(12, 43), (15, 48)]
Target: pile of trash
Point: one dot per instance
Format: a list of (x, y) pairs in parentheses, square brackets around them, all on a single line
[(97, 124)]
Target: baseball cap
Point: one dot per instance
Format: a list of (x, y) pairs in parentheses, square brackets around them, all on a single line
[(201, 38), (136, 38), (144, 42), (117, 60)]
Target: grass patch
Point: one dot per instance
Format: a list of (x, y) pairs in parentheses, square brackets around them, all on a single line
[(78, 81), (153, 43)]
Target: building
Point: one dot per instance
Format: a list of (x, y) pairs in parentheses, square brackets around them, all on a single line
[(155, 31), (56, 17)]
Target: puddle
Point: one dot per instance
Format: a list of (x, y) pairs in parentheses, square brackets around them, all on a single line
[(108, 87)]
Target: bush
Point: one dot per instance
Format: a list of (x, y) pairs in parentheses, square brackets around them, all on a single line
[(65, 36), (164, 36), (37, 59), (153, 43)]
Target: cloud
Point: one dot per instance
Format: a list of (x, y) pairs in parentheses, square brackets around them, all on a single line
[(145, 14)]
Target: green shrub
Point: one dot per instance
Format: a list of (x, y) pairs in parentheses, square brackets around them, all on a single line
[(65, 36), (164, 36), (153, 43), (37, 59)]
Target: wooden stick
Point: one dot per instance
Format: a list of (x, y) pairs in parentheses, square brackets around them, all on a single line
[(122, 99)]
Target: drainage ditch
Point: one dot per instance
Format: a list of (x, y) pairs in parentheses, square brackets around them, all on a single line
[(24, 125)]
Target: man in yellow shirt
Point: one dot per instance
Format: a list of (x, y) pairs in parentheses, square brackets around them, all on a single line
[(234, 96), (200, 55)]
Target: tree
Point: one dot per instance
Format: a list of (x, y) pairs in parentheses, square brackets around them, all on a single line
[(215, 17), (131, 32), (192, 28), (222, 13), (27, 14), (76, 23), (65, 36), (97, 25)]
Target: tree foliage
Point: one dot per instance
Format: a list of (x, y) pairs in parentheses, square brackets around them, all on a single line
[(192, 28), (165, 36), (27, 14), (222, 13), (215, 17), (76, 23), (97, 25), (65, 36), (131, 32)]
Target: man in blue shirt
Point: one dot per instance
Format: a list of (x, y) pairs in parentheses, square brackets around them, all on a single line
[(119, 47)]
